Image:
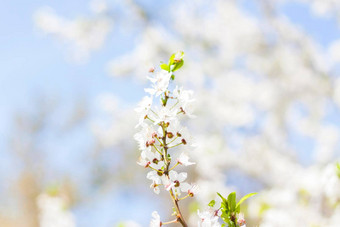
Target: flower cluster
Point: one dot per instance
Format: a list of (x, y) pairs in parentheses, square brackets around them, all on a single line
[(162, 134)]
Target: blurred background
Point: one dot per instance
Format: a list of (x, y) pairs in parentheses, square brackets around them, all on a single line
[(266, 79)]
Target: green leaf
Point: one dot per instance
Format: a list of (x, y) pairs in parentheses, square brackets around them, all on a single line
[(224, 204), (338, 169), (163, 101), (221, 196), (232, 201), (212, 203), (244, 198), (171, 60), (178, 65), (165, 67), (225, 217), (174, 212)]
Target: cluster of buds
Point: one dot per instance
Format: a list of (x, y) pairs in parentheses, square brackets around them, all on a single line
[(162, 135)]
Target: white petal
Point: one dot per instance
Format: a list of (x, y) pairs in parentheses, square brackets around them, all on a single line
[(182, 176), (173, 175), (185, 187), (156, 190)]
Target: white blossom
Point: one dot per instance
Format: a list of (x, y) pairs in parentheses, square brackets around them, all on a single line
[(164, 114), (194, 189), (183, 159), (208, 218), (178, 180), (156, 220), (145, 137), (160, 83), (143, 109)]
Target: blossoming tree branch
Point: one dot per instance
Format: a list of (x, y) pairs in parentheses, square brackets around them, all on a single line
[(159, 139)]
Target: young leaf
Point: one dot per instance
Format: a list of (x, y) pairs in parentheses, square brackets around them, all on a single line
[(174, 212), (171, 60), (225, 217), (244, 199), (212, 203), (232, 201), (338, 169), (165, 67), (178, 65), (223, 199), (224, 204)]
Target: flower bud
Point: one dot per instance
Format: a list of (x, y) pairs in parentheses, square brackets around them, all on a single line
[(151, 69), (184, 141), (170, 135), (176, 183), (154, 135), (160, 172), (178, 57), (151, 142), (178, 134), (155, 160), (241, 221), (181, 108)]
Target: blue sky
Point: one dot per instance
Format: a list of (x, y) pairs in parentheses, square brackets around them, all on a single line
[(33, 64)]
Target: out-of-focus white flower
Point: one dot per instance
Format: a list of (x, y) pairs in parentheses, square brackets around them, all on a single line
[(334, 51), (331, 183), (99, 6), (83, 35), (156, 220), (52, 212), (129, 224)]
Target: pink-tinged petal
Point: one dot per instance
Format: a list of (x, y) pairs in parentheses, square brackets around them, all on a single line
[(156, 190)]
